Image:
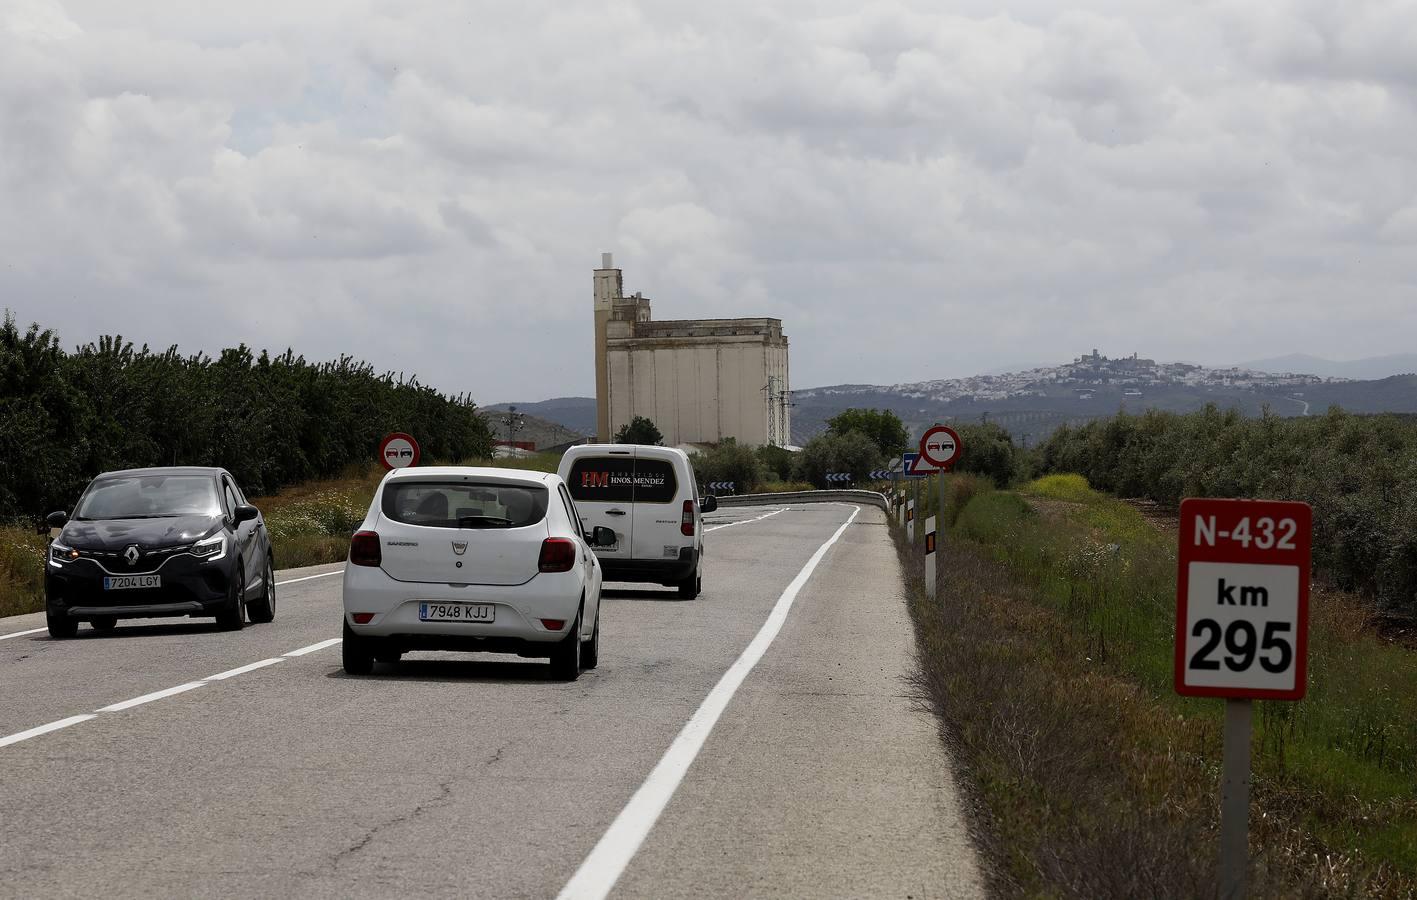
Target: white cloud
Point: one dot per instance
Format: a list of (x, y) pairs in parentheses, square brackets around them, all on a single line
[(917, 191)]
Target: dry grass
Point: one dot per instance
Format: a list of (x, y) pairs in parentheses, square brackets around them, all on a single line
[(1091, 778)]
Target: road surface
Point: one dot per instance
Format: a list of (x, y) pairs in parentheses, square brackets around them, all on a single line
[(172, 759)]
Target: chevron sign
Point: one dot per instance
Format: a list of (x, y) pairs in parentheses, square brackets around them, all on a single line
[(722, 485), (839, 476), (881, 474)]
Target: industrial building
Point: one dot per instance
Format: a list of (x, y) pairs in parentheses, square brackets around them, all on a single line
[(699, 380)]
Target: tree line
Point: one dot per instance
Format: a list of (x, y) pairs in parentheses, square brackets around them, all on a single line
[(1358, 472), (270, 420)]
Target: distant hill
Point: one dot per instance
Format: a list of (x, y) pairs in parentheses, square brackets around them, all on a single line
[(1032, 403), (577, 414), (539, 430), (1371, 368)]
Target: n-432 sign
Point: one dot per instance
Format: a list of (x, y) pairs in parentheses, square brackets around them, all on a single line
[(1242, 599)]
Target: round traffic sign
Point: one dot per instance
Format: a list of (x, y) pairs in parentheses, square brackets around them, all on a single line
[(940, 445), (398, 451)]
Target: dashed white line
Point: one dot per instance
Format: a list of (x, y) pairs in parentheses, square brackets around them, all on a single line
[(308, 578), (242, 670), (313, 647), (603, 867), (22, 633), (746, 521), (155, 695), (44, 729)]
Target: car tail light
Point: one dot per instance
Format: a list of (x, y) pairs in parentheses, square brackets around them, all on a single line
[(364, 549), (554, 624), (686, 521), (557, 555), (363, 618)]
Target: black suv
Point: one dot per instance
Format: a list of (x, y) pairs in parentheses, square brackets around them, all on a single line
[(144, 543)]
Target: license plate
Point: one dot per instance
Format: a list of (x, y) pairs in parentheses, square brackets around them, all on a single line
[(456, 612), (131, 582)]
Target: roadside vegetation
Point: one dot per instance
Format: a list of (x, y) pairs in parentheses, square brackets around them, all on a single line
[(1048, 658)]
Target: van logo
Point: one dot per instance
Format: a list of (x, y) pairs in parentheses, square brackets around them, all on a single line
[(459, 547)]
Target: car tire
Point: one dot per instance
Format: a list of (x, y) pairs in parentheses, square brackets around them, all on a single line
[(234, 618), (356, 654), (590, 650), (689, 588), (104, 623), (264, 609), (61, 627), (566, 658)]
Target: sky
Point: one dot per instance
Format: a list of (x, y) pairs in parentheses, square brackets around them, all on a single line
[(918, 190)]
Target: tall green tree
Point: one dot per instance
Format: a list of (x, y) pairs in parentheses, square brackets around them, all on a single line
[(639, 430), (883, 427)]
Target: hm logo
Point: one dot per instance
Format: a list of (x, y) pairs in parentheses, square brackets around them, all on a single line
[(595, 479), (1249, 596)]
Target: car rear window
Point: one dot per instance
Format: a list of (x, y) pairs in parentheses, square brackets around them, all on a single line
[(462, 504), (622, 479)]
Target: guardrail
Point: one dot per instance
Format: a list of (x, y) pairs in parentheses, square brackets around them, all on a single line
[(849, 496)]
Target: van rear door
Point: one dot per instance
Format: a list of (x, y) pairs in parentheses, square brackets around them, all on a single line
[(602, 485), (657, 515)]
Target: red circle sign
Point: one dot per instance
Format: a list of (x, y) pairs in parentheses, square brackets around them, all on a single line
[(398, 451), (940, 446)]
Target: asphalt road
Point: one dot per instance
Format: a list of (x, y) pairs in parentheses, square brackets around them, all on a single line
[(757, 741)]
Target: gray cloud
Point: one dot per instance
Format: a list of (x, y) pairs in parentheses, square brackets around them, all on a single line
[(917, 191)]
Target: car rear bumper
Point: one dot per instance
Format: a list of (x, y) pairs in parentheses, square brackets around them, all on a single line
[(519, 610), (652, 571)]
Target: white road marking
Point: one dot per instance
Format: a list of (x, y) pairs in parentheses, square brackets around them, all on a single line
[(155, 695), (313, 647), (242, 670), (746, 521), (606, 863), (308, 577), (162, 694), (44, 729), (22, 633)]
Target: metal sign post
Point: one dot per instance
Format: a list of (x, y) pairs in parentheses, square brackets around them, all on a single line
[(940, 447), (1242, 633)]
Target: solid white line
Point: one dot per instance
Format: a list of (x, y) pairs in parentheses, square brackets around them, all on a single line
[(242, 670), (22, 633), (603, 867), (44, 729), (313, 647), (148, 698), (746, 521), (308, 577)]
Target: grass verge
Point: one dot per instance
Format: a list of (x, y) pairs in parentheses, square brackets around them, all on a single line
[(1049, 667)]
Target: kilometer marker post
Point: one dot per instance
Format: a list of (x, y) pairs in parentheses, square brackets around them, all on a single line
[(1242, 634)]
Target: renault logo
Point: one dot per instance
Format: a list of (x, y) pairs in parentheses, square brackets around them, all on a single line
[(131, 554), (459, 547)]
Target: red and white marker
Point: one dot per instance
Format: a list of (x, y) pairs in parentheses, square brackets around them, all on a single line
[(398, 451)]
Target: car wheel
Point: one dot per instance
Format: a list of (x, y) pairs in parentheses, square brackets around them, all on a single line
[(566, 658), (104, 623), (590, 650), (60, 626), (234, 617), (689, 587), (264, 608), (357, 657)]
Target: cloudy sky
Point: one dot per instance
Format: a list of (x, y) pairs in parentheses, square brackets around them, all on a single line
[(918, 189)]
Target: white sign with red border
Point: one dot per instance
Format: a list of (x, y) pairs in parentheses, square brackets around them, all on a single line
[(940, 446), (1242, 599), (398, 451)]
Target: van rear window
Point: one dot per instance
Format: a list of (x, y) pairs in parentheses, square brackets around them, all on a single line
[(620, 479), (461, 504)]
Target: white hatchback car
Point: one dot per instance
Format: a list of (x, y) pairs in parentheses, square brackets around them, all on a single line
[(479, 559)]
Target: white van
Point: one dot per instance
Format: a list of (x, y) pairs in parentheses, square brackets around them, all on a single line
[(648, 497)]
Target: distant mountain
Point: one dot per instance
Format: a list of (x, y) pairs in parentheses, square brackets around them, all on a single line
[(577, 414), (1371, 368)]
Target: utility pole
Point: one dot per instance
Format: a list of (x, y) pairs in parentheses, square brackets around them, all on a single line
[(515, 423)]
